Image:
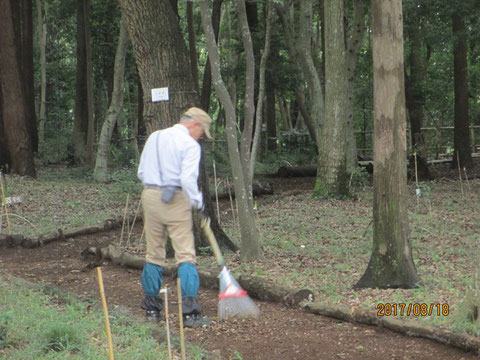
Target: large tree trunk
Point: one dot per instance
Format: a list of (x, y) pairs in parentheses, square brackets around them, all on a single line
[(391, 264), (332, 178), (27, 69), (460, 69), (42, 44), (101, 164), (14, 106), (162, 61), (250, 247)]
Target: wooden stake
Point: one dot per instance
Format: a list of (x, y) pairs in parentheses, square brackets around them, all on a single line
[(216, 191), (105, 312), (167, 324), (124, 217), (460, 175), (4, 204), (417, 189), (466, 180), (133, 224), (180, 317), (140, 241)]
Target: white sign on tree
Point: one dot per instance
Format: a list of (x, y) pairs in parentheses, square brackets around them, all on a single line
[(160, 94)]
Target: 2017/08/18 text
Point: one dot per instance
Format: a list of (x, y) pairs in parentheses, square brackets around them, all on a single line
[(412, 309)]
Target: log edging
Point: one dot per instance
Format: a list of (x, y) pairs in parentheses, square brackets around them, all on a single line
[(58, 235), (263, 289), (368, 317)]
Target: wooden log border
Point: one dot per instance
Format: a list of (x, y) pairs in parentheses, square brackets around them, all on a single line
[(60, 234), (263, 289)]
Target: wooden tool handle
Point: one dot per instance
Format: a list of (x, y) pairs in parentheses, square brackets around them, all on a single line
[(211, 239)]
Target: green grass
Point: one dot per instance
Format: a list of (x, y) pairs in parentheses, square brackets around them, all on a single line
[(36, 326)]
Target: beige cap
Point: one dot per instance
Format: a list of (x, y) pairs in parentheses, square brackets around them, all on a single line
[(200, 115)]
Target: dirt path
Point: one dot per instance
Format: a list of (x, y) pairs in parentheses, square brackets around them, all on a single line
[(280, 333)]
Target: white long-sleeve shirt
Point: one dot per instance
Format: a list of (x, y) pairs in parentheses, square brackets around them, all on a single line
[(172, 157)]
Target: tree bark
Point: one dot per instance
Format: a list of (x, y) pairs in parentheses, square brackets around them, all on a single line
[(14, 105), (27, 69), (332, 177), (101, 164), (191, 44), (391, 263), (415, 94), (460, 72), (42, 44), (82, 102), (354, 44), (207, 73)]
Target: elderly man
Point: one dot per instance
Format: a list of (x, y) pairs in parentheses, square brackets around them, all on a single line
[(168, 169)]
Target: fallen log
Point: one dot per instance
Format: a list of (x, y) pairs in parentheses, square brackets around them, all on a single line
[(296, 171), (256, 286), (32, 242), (362, 316), (258, 189)]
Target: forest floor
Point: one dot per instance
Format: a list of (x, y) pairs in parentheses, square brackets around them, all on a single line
[(323, 245)]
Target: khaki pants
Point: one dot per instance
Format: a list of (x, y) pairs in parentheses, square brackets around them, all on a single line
[(162, 220)]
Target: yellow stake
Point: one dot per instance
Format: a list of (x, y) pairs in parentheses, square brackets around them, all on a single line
[(4, 203), (105, 312), (180, 317), (165, 291)]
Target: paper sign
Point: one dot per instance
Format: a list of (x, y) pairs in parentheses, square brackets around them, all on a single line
[(160, 94)]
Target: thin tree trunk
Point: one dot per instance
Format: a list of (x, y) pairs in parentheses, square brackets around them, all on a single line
[(354, 44), (101, 164), (391, 264), (12, 96), (460, 69), (89, 83), (261, 93), (250, 248), (207, 73), (80, 128), (332, 177)]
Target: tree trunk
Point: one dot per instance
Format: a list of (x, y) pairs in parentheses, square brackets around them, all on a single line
[(42, 44), (391, 264), (207, 73), (191, 44), (89, 83), (27, 69), (332, 177), (415, 95), (80, 128), (162, 60), (460, 69), (101, 164), (14, 113), (250, 247), (354, 44), (270, 113)]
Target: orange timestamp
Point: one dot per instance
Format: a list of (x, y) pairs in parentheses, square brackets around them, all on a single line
[(412, 309)]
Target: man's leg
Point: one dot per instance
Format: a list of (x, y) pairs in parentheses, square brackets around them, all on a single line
[(180, 230), (152, 275)]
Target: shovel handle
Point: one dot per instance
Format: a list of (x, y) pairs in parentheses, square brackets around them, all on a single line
[(211, 239)]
